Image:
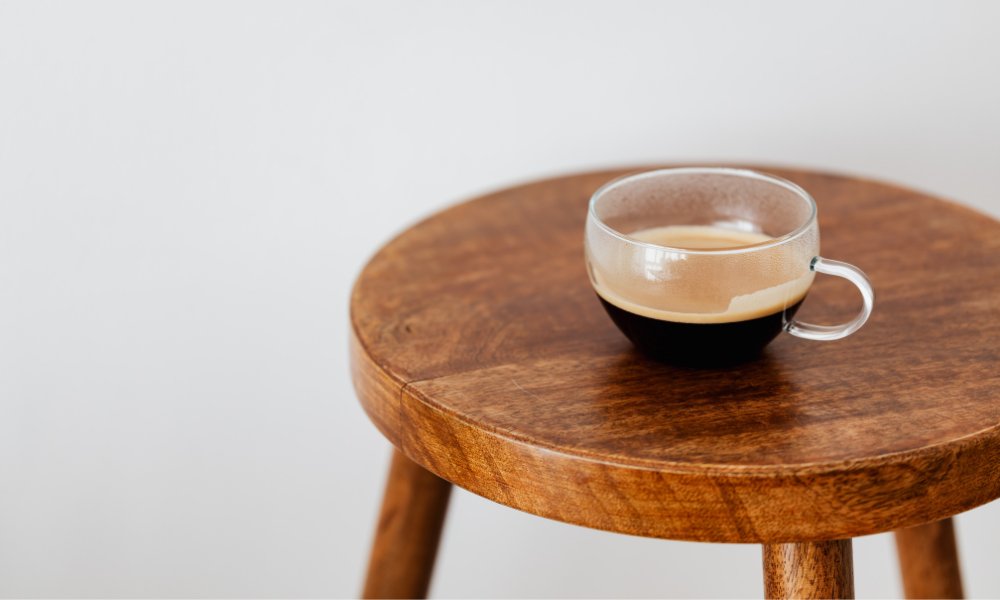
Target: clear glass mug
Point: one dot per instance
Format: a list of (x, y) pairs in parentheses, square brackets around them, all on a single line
[(706, 265)]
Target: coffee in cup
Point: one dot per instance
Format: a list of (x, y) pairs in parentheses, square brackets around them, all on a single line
[(706, 266)]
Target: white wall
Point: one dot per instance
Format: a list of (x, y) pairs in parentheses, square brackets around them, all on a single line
[(187, 191)]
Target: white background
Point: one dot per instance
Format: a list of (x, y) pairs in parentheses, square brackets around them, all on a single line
[(187, 191)]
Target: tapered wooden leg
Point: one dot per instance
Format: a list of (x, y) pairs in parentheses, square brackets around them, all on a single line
[(809, 570), (409, 528), (928, 560)]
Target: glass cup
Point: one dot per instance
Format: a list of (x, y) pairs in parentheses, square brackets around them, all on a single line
[(705, 266)]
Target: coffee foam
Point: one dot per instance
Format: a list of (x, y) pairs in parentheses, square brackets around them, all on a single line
[(743, 307), (699, 237)]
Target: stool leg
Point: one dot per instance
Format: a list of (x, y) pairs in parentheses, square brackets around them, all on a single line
[(409, 528), (809, 570), (928, 560)]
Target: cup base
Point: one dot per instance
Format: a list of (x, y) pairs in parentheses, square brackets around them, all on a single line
[(700, 344)]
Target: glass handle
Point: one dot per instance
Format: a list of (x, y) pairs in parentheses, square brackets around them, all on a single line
[(835, 332)]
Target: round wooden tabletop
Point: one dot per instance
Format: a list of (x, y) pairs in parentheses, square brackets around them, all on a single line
[(480, 350)]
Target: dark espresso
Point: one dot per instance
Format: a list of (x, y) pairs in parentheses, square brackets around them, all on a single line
[(699, 344), (709, 337)]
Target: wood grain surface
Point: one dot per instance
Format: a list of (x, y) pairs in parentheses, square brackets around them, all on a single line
[(481, 351), (928, 560), (408, 532), (809, 570)]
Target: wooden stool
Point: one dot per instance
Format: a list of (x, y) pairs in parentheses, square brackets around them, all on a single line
[(481, 352)]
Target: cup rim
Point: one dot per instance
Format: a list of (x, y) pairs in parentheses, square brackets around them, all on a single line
[(730, 171)]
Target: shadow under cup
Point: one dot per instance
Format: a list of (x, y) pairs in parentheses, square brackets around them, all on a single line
[(744, 249)]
